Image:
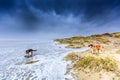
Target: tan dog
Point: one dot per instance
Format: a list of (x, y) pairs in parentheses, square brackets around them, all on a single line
[(29, 53), (96, 48)]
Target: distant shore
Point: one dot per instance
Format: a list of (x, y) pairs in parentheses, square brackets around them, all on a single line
[(88, 66)]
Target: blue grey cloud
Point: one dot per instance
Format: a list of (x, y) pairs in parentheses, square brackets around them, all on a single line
[(58, 16)]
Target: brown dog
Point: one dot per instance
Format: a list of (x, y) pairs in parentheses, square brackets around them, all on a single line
[(29, 53), (96, 48)]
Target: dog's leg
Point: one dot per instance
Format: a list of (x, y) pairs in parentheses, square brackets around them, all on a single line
[(94, 51), (98, 50), (31, 53), (91, 50), (101, 50), (27, 55)]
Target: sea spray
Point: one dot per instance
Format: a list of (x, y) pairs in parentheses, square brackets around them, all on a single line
[(51, 65)]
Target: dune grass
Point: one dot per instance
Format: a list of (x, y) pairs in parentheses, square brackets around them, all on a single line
[(80, 41), (71, 57), (117, 34), (103, 35), (83, 41), (118, 51), (91, 62)]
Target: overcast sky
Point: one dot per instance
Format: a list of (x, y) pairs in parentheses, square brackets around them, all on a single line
[(50, 18)]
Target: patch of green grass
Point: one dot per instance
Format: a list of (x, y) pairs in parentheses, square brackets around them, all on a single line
[(91, 62), (71, 57)]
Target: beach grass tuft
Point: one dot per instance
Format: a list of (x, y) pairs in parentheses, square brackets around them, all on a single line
[(71, 57), (91, 62)]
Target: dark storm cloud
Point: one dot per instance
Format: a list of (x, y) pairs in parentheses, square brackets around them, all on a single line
[(56, 14), (90, 9), (6, 4)]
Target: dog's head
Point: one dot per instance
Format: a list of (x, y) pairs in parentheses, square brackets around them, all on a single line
[(91, 45)]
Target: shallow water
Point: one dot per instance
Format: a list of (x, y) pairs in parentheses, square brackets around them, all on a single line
[(50, 67)]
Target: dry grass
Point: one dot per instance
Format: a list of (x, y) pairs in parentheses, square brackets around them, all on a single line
[(101, 35), (84, 63), (98, 64), (117, 34), (101, 40), (118, 51), (80, 41), (71, 57)]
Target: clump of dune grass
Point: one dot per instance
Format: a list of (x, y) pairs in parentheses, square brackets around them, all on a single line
[(117, 34), (98, 64), (118, 51), (101, 40), (71, 57)]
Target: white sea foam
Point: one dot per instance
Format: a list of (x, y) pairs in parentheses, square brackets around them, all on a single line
[(50, 67)]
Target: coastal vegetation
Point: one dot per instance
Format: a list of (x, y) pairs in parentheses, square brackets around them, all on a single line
[(92, 61), (118, 51), (83, 41), (88, 66), (71, 57)]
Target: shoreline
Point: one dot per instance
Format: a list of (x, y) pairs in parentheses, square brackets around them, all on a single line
[(111, 43), (67, 76)]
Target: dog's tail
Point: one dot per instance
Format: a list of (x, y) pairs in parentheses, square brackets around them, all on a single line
[(34, 50)]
